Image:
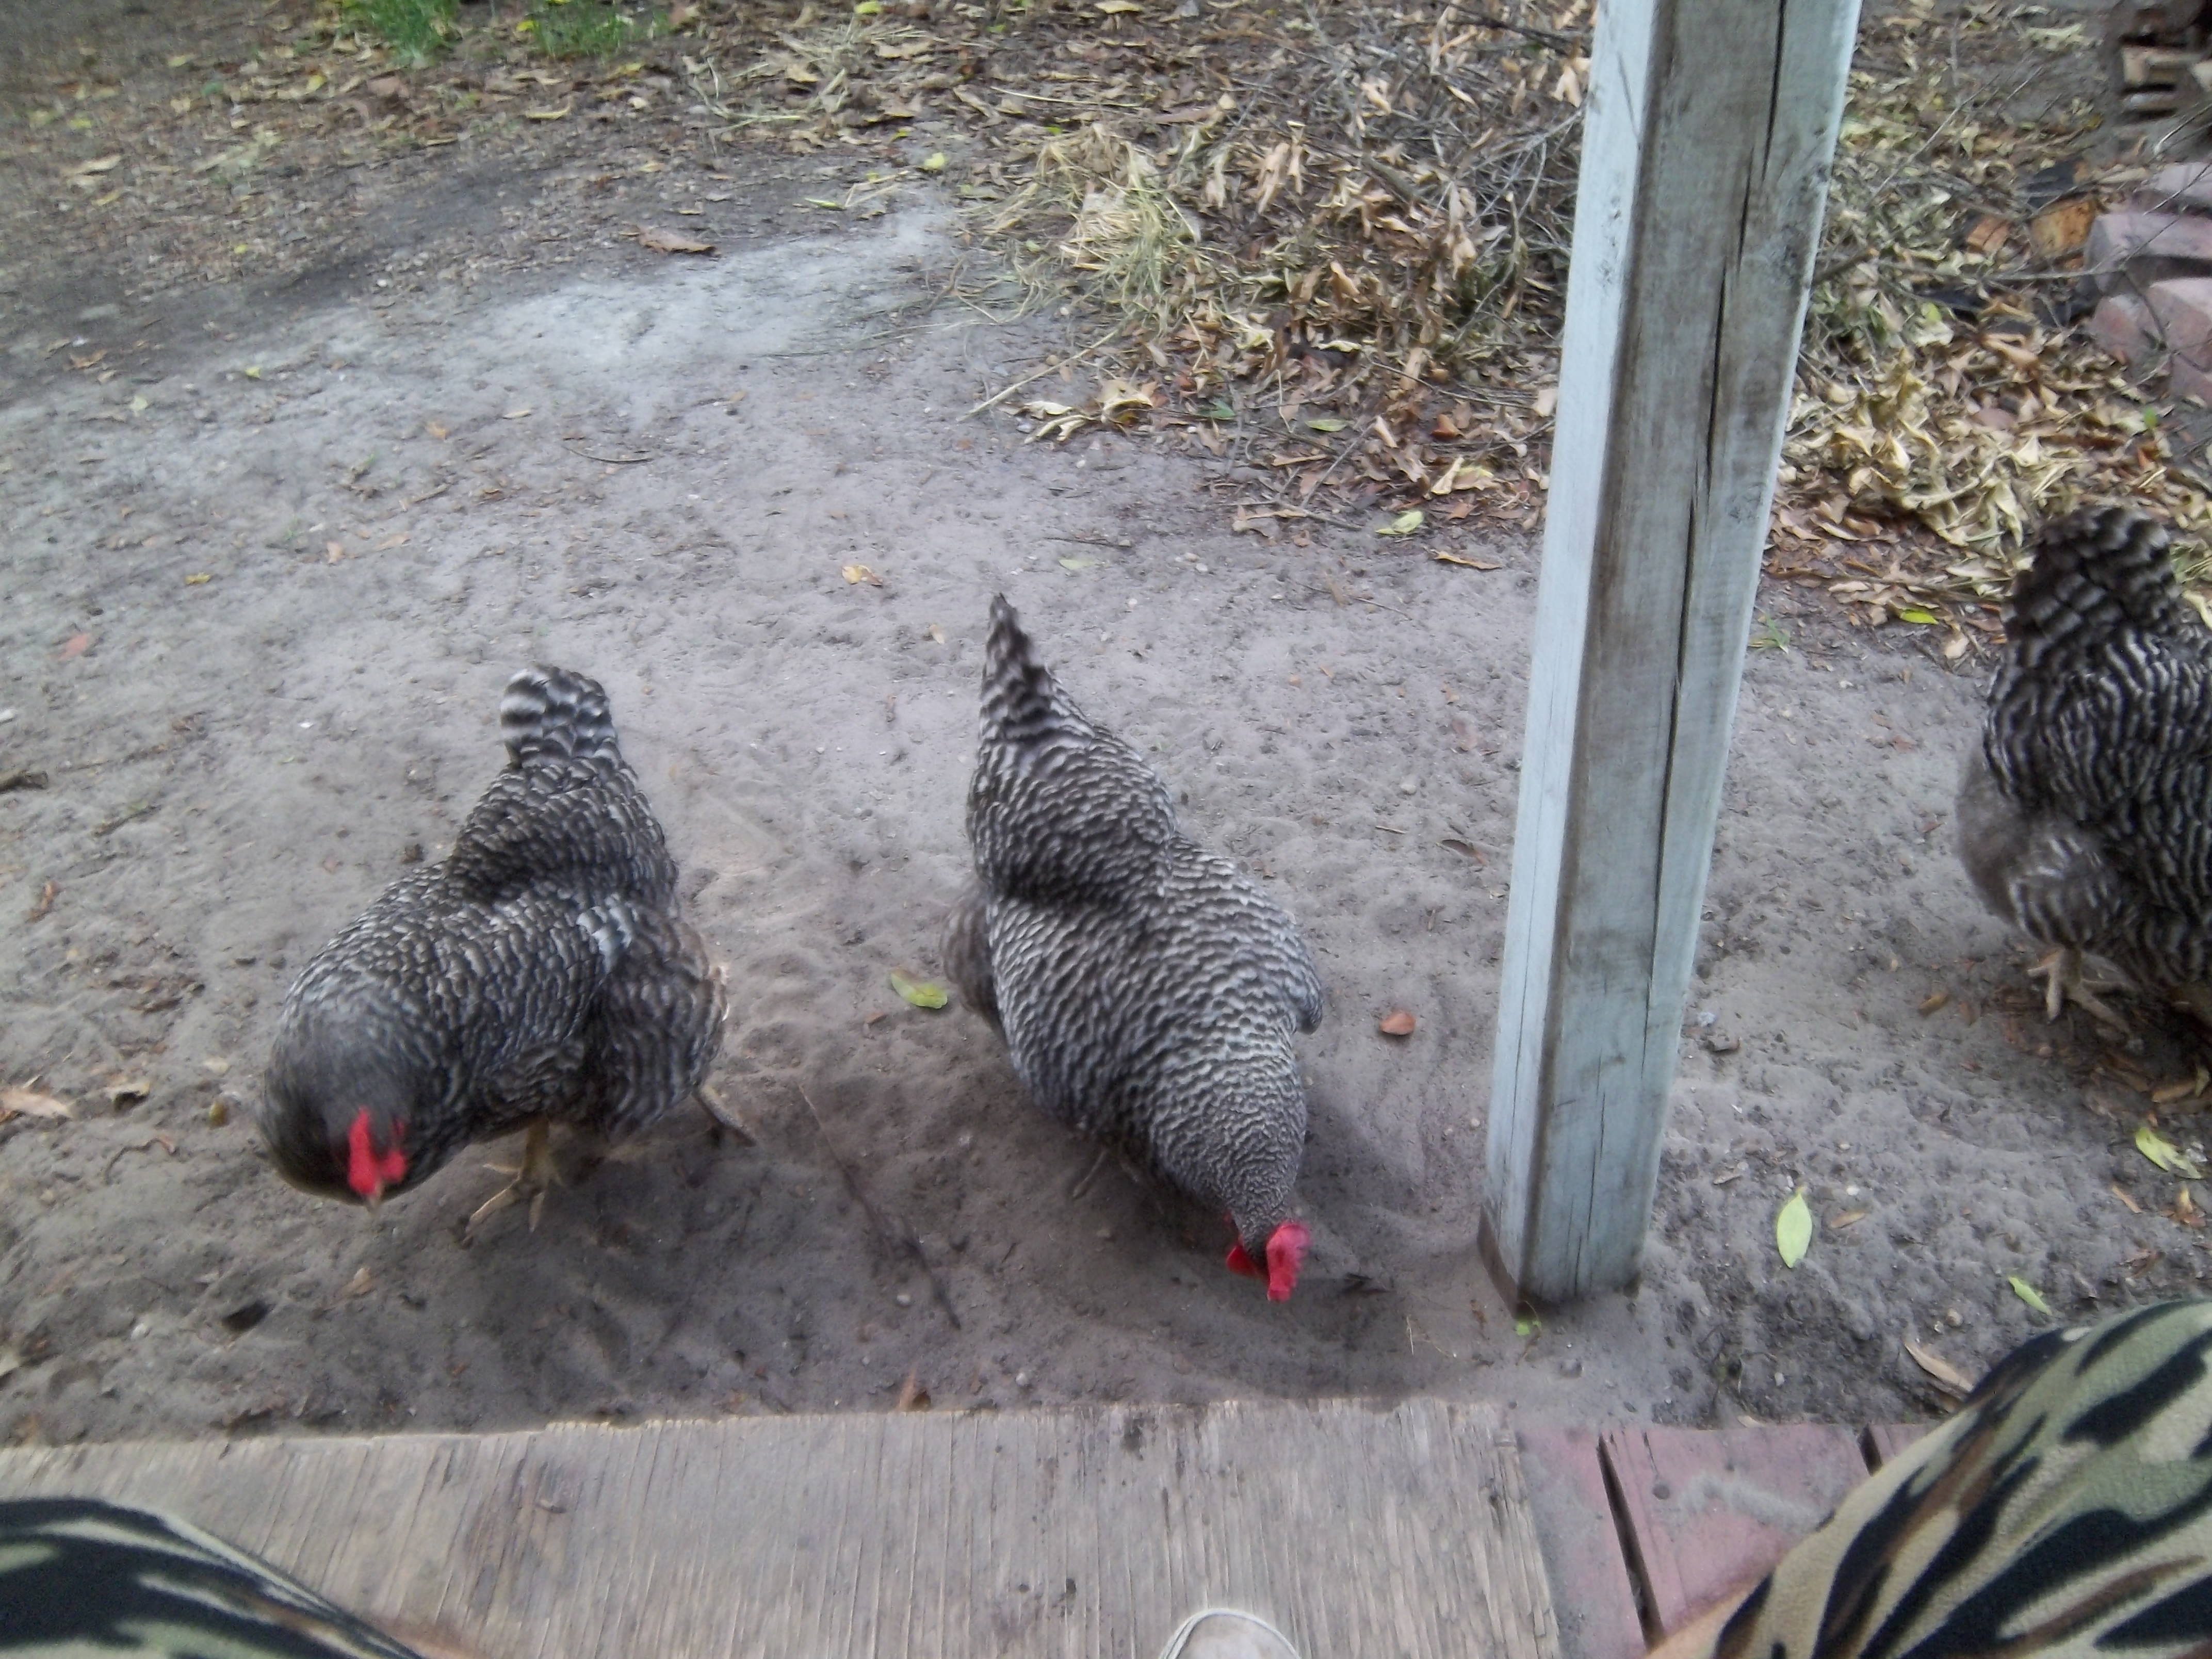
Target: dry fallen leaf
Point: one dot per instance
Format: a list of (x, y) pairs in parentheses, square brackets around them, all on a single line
[(671, 241), (861, 573), (2064, 227), (361, 1284), (1989, 233), (546, 114), (912, 1396), (29, 1102), (435, 429), (2121, 1193), (1472, 564), (129, 1089), (76, 646), (1947, 1376), (1397, 1023), (1935, 1002)]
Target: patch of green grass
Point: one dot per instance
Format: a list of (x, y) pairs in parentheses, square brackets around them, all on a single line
[(587, 28), (416, 30)]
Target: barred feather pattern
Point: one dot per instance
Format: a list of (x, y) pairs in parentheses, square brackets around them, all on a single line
[(2085, 817), (78, 1576), (2066, 1510), (1148, 992), (543, 970)]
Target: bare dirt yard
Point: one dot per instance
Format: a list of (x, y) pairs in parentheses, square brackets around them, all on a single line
[(279, 524)]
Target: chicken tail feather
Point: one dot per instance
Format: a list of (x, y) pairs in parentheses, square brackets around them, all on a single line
[(1023, 704), (2098, 574), (549, 713)]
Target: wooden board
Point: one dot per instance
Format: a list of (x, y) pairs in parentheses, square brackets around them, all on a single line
[(1357, 1530), (1710, 1510), (1885, 1440), (1596, 1603), (1706, 143)]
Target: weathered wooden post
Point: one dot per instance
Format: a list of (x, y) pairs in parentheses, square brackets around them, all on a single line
[(1705, 154)]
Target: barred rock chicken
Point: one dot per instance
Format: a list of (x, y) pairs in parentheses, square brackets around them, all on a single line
[(544, 970), (1146, 990), (2086, 817)]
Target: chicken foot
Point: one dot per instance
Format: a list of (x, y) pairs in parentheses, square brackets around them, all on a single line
[(534, 1176), (2062, 972)]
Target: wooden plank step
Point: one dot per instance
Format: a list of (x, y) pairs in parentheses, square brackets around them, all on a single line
[(1357, 1530), (1710, 1510)]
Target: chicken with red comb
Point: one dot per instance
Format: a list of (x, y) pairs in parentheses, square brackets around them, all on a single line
[(1147, 990), (543, 971)]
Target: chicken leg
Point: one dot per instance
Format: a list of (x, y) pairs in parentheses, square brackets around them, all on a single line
[(534, 1176), (2062, 972)]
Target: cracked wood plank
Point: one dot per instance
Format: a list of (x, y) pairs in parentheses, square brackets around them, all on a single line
[(1072, 1535)]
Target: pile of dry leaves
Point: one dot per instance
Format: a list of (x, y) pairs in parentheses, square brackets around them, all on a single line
[(1332, 241)]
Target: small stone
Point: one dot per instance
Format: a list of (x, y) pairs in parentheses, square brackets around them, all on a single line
[(903, 1299), (1410, 786), (1021, 1379)]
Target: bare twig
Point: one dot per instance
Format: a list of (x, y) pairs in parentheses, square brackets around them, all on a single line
[(1048, 368), (893, 1236)]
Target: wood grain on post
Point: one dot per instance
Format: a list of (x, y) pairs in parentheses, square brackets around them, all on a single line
[(1705, 155)]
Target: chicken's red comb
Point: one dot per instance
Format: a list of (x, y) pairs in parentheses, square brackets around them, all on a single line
[(1286, 1252), (369, 1171)]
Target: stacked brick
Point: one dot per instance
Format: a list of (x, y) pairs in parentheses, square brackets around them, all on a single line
[(2152, 263)]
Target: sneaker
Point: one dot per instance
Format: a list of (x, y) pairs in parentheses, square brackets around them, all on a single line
[(1224, 1633)]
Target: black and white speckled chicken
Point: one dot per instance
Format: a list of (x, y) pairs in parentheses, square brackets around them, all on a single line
[(1147, 991), (2085, 817), (543, 971)]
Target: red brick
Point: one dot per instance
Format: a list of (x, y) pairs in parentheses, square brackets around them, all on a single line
[(2123, 325), (2146, 247), (2184, 187), (1713, 1511), (2185, 379), (1890, 1441), (2181, 309)]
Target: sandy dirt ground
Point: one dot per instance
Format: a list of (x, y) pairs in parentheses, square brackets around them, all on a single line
[(262, 589)]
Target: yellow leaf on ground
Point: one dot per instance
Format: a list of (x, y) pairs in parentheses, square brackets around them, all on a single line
[(1793, 1229), (921, 993)]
